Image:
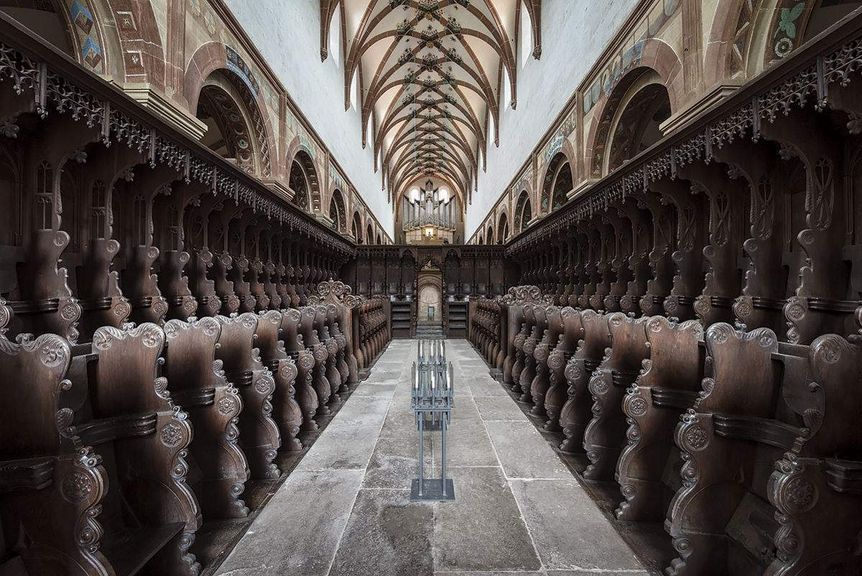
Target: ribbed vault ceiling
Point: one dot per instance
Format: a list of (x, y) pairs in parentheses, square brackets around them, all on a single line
[(431, 74)]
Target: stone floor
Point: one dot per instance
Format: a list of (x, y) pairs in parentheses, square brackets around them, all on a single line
[(346, 509)]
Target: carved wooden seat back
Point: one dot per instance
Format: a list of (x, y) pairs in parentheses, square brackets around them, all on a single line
[(275, 330), (513, 303), (201, 285), (286, 411), (312, 341), (51, 484), (267, 338), (237, 347), (306, 396), (756, 404), (258, 437), (572, 331), (490, 332), (149, 512), (197, 383), (290, 331), (333, 376), (548, 324), (222, 265), (576, 412), (667, 387), (333, 315), (605, 436), (309, 334), (515, 319), (98, 290), (534, 315), (341, 306), (817, 487), (42, 300)]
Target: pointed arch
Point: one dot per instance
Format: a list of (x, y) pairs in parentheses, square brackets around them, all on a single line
[(657, 59), (523, 212), (502, 228), (337, 212), (303, 179), (216, 64)]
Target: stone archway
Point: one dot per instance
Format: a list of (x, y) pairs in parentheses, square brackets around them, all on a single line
[(429, 285)]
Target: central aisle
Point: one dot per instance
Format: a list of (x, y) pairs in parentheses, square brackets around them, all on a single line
[(346, 510)]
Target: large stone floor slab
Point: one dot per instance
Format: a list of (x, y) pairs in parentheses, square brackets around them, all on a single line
[(346, 509), (570, 532), (299, 530), (523, 452), (483, 530), (388, 535)]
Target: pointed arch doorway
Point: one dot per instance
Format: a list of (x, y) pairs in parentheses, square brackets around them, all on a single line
[(429, 309)]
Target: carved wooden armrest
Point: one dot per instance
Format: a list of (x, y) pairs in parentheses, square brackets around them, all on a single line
[(844, 476), (26, 474), (673, 399), (240, 378), (23, 307), (754, 429), (623, 378), (193, 397), (100, 303), (820, 513), (104, 430)]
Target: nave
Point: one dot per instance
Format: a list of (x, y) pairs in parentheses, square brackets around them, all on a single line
[(346, 509), (645, 216)]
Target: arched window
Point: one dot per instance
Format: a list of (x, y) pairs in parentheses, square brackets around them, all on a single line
[(235, 127), (489, 234), (523, 212), (507, 90), (303, 182), (336, 211), (826, 13), (369, 235), (356, 227), (557, 184), (525, 36), (335, 38), (502, 228), (355, 96), (636, 126), (47, 20), (44, 213)]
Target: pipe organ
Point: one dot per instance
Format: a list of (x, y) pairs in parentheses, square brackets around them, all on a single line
[(430, 215)]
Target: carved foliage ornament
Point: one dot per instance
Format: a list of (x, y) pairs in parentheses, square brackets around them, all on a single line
[(50, 87), (809, 83)]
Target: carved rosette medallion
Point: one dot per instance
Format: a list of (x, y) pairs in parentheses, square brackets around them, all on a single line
[(265, 384), (53, 351), (574, 370), (171, 435), (695, 437), (226, 406), (598, 384), (76, 487), (798, 495), (637, 406)]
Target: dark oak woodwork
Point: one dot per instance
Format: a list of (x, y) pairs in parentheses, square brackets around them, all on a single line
[(666, 387), (149, 513), (197, 383), (259, 436)]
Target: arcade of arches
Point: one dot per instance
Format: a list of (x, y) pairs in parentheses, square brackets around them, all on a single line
[(225, 225)]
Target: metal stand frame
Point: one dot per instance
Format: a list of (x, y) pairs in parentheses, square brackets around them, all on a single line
[(432, 399)]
